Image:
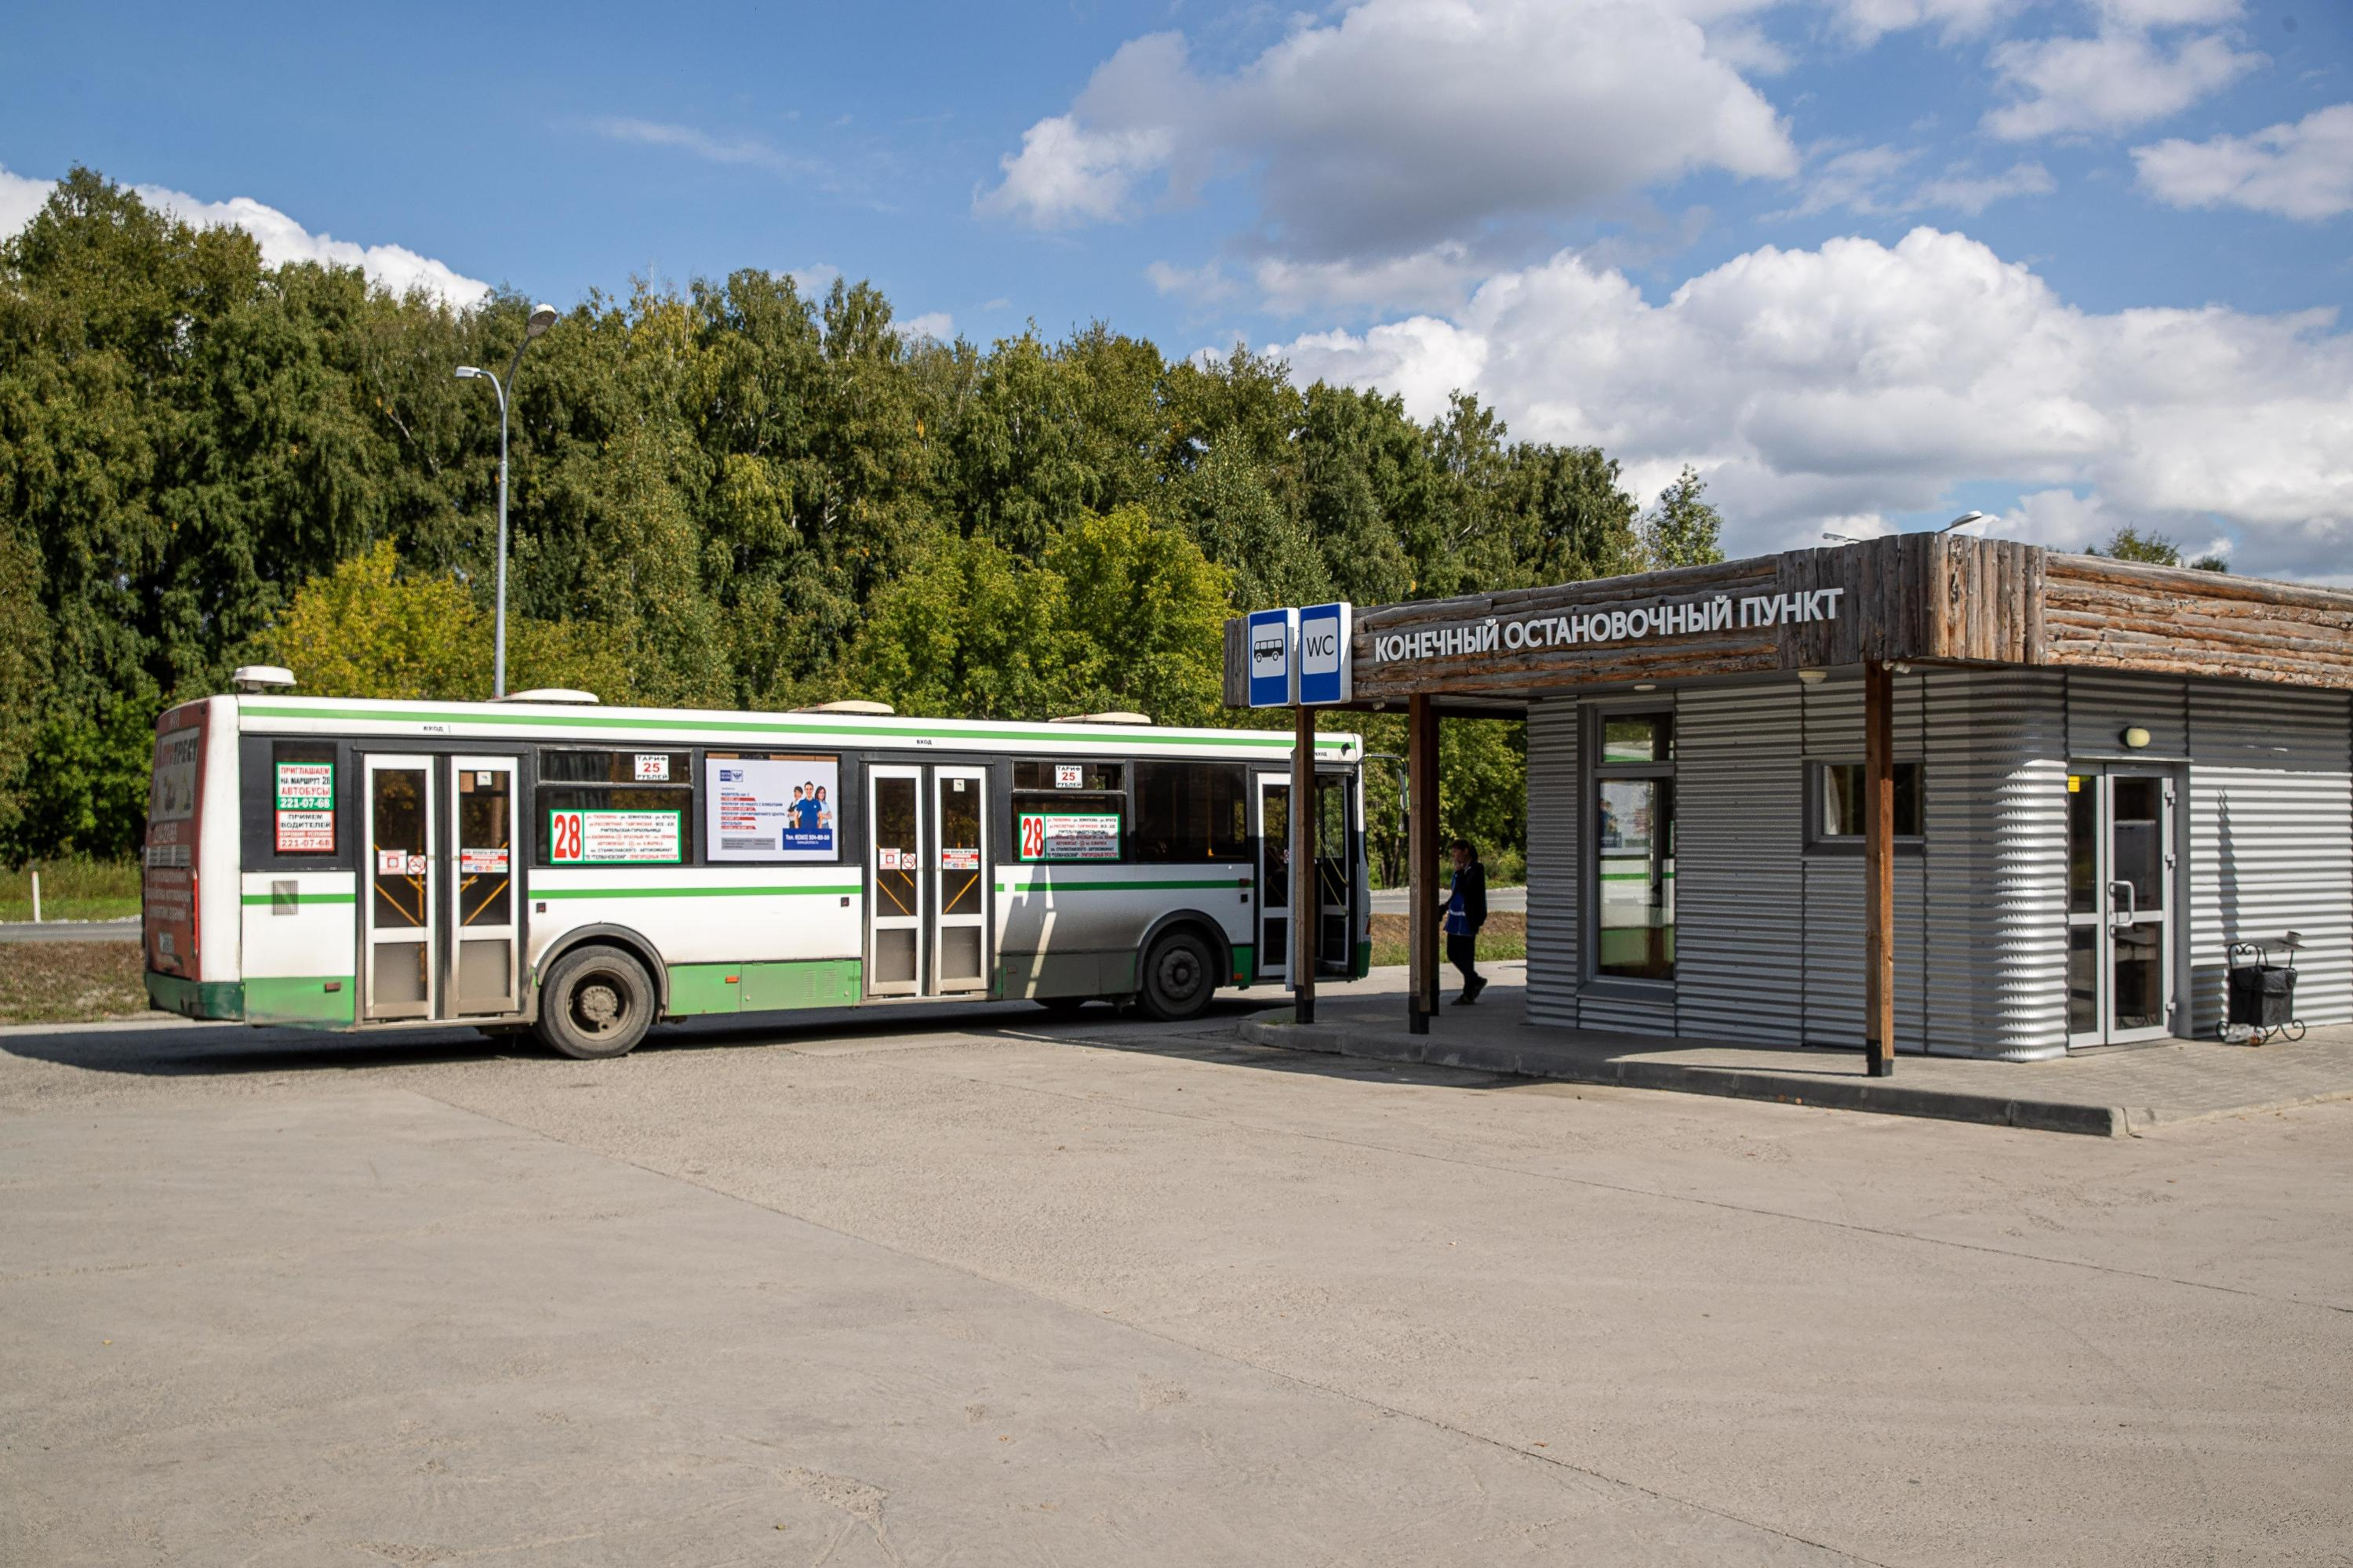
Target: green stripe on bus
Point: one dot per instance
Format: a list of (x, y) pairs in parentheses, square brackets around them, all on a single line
[(304, 897), (542, 892), (743, 726)]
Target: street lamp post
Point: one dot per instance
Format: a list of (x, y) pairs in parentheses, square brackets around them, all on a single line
[(541, 318)]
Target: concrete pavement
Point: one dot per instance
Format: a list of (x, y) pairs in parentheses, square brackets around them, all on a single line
[(971, 1285)]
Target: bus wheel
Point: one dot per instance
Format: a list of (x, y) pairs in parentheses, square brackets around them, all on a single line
[(1178, 981), (597, 1003)]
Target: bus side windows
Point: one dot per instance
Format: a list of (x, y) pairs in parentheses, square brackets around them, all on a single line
[(613, 807), (1071, 811), (1189, 812)]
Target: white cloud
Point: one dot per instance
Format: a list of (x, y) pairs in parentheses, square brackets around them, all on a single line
[(1973, 194), (2119, 78), (748, 152), (2302, 170), (1866, 21), (1402, 125), (395, 268), (1864, 381), (1865, 180), (936, 325)]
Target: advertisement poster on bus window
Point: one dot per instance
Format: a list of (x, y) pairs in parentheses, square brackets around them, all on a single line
[(306, 807), (1066, 835), (771, 808), (615, 838), (175, 793)]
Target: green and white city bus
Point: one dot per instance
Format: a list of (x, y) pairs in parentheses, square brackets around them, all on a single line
[(584, 871)]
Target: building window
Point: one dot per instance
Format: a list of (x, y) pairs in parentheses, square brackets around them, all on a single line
[(1834, 804), (1192, 812), (1069, 810), (1633, 814)]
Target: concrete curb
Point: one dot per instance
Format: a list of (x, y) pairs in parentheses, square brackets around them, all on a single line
[(1884, 1095)]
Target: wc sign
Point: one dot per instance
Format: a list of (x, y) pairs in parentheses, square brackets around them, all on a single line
[(1325, 667), (1299, 656)]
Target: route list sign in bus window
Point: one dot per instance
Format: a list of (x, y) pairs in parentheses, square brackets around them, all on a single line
[(615, 838), (1057, 835), (771, 808), (306, 807)]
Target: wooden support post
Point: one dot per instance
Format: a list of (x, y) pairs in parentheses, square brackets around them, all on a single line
[(1879, 866), (1306, 879), (1421, 864)]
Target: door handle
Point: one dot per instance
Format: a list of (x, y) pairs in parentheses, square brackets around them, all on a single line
[(2132, 904)]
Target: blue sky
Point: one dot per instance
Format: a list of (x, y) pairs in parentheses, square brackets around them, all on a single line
[(1864, 263)]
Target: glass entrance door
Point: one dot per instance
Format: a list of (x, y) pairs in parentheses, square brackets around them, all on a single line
[(959, 894), (895, 902), (2120, 898), (397, 968), (1273, 878)]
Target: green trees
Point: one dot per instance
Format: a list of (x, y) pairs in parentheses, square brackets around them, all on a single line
[(2129, 544), (739, 494)]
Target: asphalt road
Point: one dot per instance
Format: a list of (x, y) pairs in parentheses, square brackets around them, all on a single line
[(973, 1285)]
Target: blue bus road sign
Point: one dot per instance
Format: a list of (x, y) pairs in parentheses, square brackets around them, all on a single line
[(1274, 641), (1327, 670)]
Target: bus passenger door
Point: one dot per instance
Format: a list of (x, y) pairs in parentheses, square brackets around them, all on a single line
[(484, 891), (1335, 876), (396, 935), (960, 937), (894, 907), (1273, 878)]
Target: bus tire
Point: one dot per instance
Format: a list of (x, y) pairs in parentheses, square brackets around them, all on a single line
[(597, 1004), (1178, 979)]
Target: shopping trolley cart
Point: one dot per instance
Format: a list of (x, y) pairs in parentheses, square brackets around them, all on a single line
[(2262, 993)]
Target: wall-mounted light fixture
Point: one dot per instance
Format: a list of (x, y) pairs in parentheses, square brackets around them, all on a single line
[(2136, 738), (1813, 677), (1646, 686)]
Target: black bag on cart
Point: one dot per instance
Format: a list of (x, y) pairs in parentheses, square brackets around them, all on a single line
[(2262, 993)]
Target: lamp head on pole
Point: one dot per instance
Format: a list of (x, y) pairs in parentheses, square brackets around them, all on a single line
[(469, 372), (1964, 519), (543, 316)]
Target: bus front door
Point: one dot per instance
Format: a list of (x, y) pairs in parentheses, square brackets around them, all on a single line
[(1273, 878), (895, 902), (442, 935)]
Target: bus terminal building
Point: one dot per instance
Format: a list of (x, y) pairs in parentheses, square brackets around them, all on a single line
[(1924, 793)]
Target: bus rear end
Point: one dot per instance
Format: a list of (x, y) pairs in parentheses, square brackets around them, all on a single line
[(188, 885)]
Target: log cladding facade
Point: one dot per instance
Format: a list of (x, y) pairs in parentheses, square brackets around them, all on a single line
[(1926, 598)]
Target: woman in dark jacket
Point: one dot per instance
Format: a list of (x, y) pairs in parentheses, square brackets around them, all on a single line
[(1466, 911)]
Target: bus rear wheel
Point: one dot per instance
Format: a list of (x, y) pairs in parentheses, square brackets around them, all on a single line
[(1178, 977), (597, 1004)]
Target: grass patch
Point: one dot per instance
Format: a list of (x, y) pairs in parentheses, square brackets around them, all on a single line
[(1504, 935), (71, 982), (79, 889)]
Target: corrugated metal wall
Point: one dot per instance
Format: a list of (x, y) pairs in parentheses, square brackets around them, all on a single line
[(1740, 892), (1553, 821), (2271, 840)]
